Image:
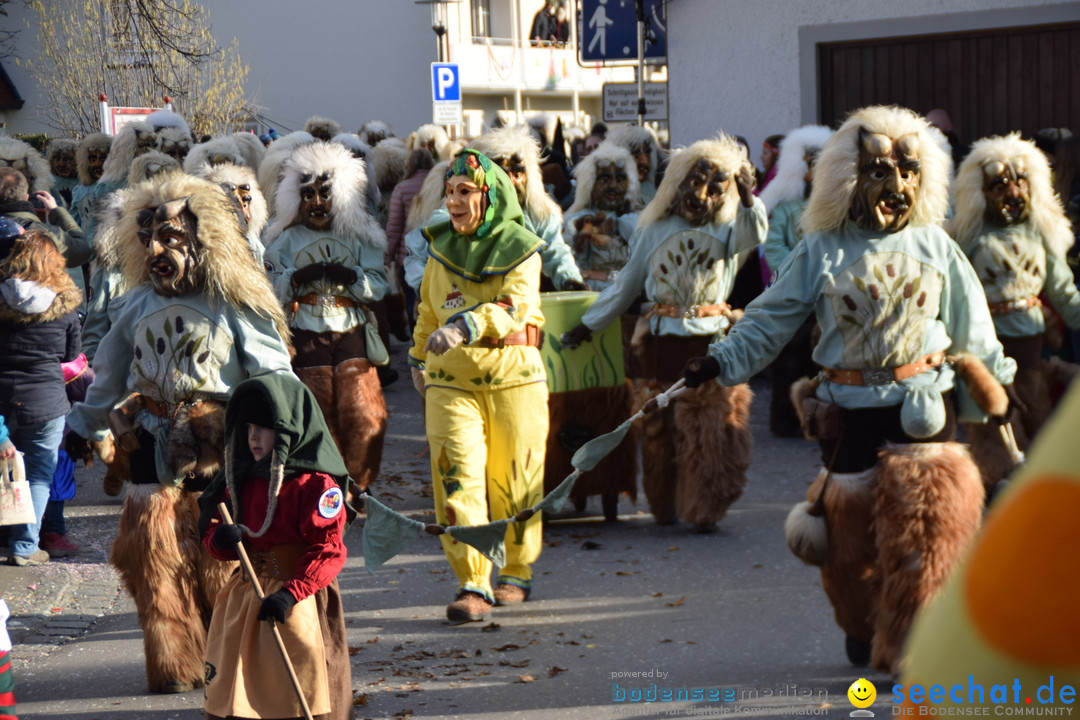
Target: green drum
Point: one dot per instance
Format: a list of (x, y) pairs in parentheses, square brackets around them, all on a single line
[(596, 363)]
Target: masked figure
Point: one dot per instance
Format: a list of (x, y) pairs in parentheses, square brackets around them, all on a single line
[(643, 144), (901, 316), (239, 182), (324, 252), (198, 318), (60, 154), (90, 158), (785, 200), (684, 256), (374, 132), (1015, 232)]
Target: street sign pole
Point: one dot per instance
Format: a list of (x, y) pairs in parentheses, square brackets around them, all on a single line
[(641, 61)]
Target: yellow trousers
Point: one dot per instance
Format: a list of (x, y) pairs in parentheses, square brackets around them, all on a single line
[(487, 463)]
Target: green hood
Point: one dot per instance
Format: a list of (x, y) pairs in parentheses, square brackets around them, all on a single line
[(501, 243), (302, 444)]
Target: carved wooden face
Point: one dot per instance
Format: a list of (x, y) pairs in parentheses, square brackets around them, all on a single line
[(643, 158), (62, 163), (144, 142), (515, 168), (466, 202), (888, 182), (1007, 193), (701, 193), (316, 201), (177, 149), (95, 161), (242, 193), (609, 189), (169, 234)]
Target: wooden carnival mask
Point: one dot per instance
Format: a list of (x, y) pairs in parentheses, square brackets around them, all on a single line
[(169, 234), (888, 181), (1005, 186), (701, 193)]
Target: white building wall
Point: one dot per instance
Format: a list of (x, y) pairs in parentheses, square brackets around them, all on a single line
[(748, 67)]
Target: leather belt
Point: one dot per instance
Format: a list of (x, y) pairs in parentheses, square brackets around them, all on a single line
[(601, 275), (884, 376), (1011, 306), (530, 336), (690, 311), (279, 562), (326, 300)]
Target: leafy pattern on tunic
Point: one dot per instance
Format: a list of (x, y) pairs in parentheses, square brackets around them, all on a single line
[(179, 353), (687, 268), (1011, 266), (882, 304)]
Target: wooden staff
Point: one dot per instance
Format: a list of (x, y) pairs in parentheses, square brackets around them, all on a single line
[(246, 562), (1009, 439)]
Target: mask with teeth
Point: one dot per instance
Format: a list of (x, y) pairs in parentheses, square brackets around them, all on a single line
[(610, 186), (701, 193), (1005, 186), (168, 232), (888, 182), (316, 201)]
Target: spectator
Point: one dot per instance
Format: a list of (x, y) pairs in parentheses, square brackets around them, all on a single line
[(770, 152), (417, 167)]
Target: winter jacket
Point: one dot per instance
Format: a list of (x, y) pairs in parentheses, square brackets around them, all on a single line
[(39, 329), (67, 235)]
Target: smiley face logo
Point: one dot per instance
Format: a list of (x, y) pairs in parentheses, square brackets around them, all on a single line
[(862, 693)]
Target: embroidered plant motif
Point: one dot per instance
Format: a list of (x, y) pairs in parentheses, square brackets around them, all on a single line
[(1011, 268), (174, 360), (882, 303), (327, 250), (687, 268), (440, 375), (487, 379), (448, 474), (526, 478)]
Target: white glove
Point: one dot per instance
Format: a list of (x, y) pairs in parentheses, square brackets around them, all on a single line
[(418, 380), (445, 338)]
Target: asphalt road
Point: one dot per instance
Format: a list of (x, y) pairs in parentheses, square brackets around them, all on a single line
[(621, 613)]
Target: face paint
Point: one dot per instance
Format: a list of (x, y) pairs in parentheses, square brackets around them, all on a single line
[(168, 234), (888, 182), (1007, 193), (62, 164), (700, 193), (643, 158), (316, 201), (609, 189), (515, 168), (466, 203)]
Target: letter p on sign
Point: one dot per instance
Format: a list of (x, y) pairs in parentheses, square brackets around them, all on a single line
[(445, 82)]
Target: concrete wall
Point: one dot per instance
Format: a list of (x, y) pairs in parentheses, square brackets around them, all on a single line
[(352, 60), (748, 66)]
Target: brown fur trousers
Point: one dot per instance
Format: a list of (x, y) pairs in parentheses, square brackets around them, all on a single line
[(352, 401), (695, 452), (173, 580), (895, 533)]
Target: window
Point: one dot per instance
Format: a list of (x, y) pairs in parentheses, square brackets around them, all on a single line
[(481, 19)]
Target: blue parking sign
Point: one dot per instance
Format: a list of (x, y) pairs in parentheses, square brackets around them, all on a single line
[(445, 82)]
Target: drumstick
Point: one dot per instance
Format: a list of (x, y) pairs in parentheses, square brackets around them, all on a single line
[(246, 562), (1009, 439)]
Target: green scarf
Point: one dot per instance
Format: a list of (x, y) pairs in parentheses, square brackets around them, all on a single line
[(501, 243), (302, 441)]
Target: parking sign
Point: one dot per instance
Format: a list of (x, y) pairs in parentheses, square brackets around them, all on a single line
[(445, 82)]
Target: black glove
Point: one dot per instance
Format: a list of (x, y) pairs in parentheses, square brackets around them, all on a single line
[(227, 536), (308, 274), (340, 274), (698, 370), (275, 605), (78, 448), (744, 182), (575, 285), (575, 336)]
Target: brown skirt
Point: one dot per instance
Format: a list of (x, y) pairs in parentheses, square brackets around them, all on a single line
[(245, 674)]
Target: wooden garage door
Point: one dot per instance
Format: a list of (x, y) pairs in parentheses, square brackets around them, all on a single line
[(990, 81)]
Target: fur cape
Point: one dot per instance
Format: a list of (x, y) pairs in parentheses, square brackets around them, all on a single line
[(123, 151), (59, 145), (167, 119), (632, 136), (95, 141), (106, 250), (235, 149), (507, 142), (322, 128), (836, 172), (723, 151), (585, 174), (1047, 217), (362, 150), (788, 183), (149, 164), (431, 197), (269, 172), (429, 133), (375, 127), (350, 216), (170, 138), (23, 157), (387, 160), (232, 272), (242, 175)]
